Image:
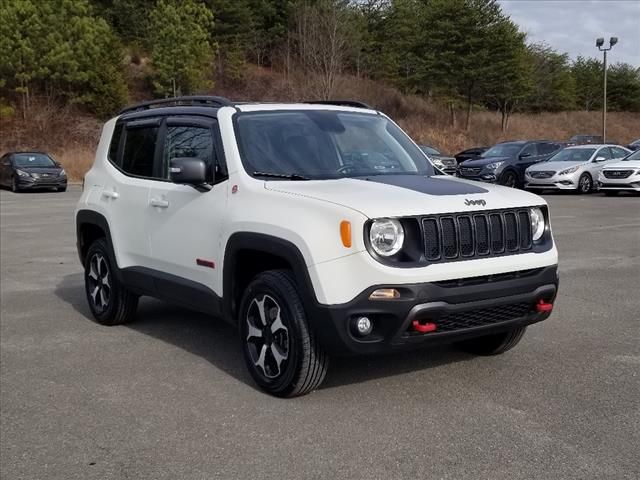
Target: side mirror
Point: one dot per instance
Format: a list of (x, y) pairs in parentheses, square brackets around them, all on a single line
[(525, 155), (600, 159), (187, 170)]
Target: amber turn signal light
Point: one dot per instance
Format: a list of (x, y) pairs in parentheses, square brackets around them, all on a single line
[(345, 233), (384, 294)]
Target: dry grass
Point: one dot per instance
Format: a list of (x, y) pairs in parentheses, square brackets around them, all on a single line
[(72, 136)]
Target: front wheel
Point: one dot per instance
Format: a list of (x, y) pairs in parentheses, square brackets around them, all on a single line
[(509, 179), (110, 302), (281, 352), (15, 187), (585, 184), (493, 344)]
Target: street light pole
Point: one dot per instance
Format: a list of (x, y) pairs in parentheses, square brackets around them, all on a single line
[(600, 45)]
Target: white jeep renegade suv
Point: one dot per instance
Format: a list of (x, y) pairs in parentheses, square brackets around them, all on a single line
[(316, 228)]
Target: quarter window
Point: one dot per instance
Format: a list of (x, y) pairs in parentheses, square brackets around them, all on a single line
[(188, 141), (139, 151)]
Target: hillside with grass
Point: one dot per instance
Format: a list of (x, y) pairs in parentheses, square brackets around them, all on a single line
[(452, 73)]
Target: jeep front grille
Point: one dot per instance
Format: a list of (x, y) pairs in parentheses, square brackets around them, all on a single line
[(617, 173), (464, 236)]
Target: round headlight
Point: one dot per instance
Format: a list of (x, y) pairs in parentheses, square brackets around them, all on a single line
[(386, 236), (537, 223)]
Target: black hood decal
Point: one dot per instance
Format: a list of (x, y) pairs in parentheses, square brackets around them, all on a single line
[(439, 185)]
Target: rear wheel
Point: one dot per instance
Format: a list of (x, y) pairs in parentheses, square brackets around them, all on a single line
[(493, 344), (509, 179), (585, 183), (110, 302), (281, 352)]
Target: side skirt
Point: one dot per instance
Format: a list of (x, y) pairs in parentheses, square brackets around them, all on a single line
[(173, 289)]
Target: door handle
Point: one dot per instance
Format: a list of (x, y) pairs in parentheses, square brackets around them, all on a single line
[(156, 202), (110, 194)]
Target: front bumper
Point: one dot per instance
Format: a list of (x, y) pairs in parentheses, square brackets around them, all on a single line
[(27, 183), (556, 182), (461, 309), (631, 184), (484, 175)]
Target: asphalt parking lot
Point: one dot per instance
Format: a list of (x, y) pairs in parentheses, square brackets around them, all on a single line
[(168, 397)]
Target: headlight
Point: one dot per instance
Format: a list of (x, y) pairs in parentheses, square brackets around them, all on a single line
[(569, 170), (22, 174), (494, 166), (62, 173), (438, 163), (386, 236), (537, 223)]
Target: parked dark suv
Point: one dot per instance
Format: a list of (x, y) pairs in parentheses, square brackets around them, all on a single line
[(31, 170), (505, 163)]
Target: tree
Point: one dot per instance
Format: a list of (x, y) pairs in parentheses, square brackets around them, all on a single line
[(181, 46), (59, 49), (510, 78), (322, 42), (623, 87), (587, 73), (554, 86)]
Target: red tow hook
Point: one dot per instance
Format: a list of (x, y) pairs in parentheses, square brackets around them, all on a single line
[(423, 328), (543, 307)]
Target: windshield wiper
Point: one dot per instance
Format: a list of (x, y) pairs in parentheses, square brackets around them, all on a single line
[(288, 176)]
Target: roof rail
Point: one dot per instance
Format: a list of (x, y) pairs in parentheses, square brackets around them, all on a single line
[(341, 103), (178, 101)]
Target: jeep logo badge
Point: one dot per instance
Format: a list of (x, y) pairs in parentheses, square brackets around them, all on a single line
[(475, 202)]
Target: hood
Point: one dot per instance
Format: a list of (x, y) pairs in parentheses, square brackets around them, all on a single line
[(481, 162), (555, 166), (624, 165), (41, 170), (408, 195)]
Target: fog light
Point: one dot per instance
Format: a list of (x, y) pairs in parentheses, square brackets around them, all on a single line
[(364, 326)]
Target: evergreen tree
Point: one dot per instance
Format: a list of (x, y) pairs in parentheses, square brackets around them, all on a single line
[(181, 46)]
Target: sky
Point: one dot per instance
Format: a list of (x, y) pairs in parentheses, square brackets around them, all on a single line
[(572, 26)]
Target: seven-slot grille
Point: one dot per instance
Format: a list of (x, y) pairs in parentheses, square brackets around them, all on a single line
[(617, 173), (545, 174), (464, 236)]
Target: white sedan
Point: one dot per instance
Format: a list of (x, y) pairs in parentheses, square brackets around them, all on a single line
[(573, 168), (621, 176)]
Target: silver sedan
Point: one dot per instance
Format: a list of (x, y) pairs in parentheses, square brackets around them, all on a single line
[(573, 168)]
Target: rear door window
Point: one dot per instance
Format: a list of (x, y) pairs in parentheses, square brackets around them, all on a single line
[(139, 150)]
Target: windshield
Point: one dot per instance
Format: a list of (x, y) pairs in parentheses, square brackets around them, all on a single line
[(429, 150), (634, 156), (503, 150), (32, 160), (573, 155), (317, 144)]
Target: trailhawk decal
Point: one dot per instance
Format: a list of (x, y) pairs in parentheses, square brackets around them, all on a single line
[(439, 185)]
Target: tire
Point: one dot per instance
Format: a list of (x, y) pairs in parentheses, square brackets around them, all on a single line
[(109, 301), (15, 188), (585, 184), (611, 193), (493, 344), (62, 189), (509, 179), (280, 350)]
